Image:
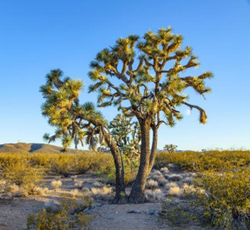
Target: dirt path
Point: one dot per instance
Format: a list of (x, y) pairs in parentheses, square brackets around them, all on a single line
[(116, 217)]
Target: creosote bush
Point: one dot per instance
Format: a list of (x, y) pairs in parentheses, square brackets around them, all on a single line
[(226, 199), (69, 215)]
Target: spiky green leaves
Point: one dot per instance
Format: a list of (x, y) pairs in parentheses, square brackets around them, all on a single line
[(148, 76), (73, 121), (126, 134)]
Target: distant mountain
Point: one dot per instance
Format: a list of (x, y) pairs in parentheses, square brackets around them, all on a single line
[(34, 148)]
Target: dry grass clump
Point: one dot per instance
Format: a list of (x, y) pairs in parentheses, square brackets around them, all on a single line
[(85, 190), (25, 191), (73, 178), (170, 185), (174, 177), (155, 174), (192, 190), (98, 184), (56, 184), (188, 179), (175, 191), (164, 170), (78, 184), (101, 193), (162, 181), (152, 184), (40, 191), (2, 185), (154, 195), (11, 188)]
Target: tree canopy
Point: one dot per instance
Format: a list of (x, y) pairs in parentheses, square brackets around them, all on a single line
[(145, 78)]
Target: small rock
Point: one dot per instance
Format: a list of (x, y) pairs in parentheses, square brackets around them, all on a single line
[(4, 224), (134, 211), (153, 212), (86, 210)]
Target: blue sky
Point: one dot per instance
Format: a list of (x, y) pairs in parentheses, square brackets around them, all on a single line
[(37, 36)]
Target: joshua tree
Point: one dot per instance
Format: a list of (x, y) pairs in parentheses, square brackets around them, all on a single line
[(74, 121), (170, 148), (127, 136), (146, 87), (141, 86)]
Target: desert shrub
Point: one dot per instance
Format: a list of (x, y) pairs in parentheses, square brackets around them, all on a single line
[(62, 164), (102, 163), (178, 214), (170, 185), (7, 160), (174, 177), (22, 174), (73, 178), (226, 199), (175, 191), (197, 161), (41, 160), (55, 184), (83, 162), (11, 188), (78, 184), (130, 173), (162, 181), (103, 193), (69, 215), (154, 195), (164, 170), (2, 185), (152, 184)]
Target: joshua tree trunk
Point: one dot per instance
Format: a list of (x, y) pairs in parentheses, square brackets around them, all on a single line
[(120, 196), (137, 192), (154, 148)]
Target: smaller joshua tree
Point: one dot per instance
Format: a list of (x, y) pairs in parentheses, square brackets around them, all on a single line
[(170, 148), (127, 135)]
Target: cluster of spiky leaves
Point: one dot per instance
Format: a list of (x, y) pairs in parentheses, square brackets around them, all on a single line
[(127, 136), (146, 83), (73, 121)]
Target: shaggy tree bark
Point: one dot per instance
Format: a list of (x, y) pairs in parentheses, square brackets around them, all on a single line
[(120, 195), (137, 192)]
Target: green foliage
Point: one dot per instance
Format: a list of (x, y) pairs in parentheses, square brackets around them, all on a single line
[(197, 161), (23, 174), (21, 168), (62, 164), (71, 119), (178, 214), (156, 51), (130, 172), (127, 136), (227, 198), (221, 192), (69, 216)]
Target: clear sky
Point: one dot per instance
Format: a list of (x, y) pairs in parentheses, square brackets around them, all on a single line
[(37, 36)]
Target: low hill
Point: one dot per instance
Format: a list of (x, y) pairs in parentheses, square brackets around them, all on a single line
[(34, 148)]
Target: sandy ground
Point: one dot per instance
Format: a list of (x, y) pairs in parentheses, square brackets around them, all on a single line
[(14, 212)]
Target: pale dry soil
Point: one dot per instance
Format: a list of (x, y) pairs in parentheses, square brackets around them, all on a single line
[(14, 212)]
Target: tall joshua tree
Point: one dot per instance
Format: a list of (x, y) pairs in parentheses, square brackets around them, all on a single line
[(135, 76)]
